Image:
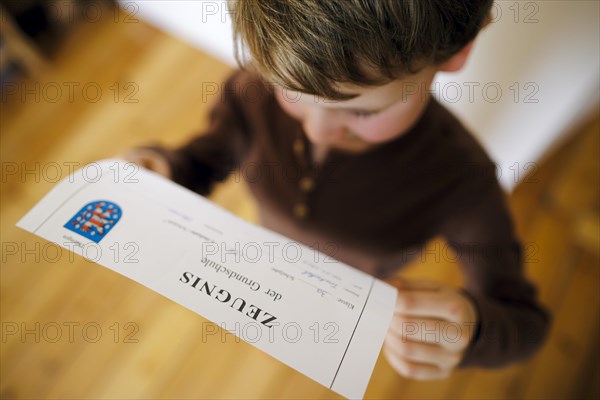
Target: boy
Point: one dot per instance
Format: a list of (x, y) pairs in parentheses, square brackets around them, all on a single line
[(350, 154)]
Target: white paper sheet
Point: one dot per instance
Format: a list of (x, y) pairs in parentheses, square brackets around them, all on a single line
[(321, 317)]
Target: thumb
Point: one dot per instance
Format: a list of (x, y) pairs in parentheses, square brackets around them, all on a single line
[(421, 284)]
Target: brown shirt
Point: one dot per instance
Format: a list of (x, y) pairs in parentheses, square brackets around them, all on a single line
[(376, 209)]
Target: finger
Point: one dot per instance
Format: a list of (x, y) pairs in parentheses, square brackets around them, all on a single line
[(148, 159), (423, 353), (404, 284), (161, 166), (450, 335), (414, 370), (441, 304)]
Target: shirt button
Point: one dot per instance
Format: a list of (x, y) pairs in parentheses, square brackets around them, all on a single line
[(300, 210), (298, 147), (307, 184)]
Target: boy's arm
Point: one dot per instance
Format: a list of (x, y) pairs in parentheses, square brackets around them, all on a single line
[(512, 324), (213, 155)]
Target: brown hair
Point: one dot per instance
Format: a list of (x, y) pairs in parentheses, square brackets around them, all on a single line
[(310, 45)]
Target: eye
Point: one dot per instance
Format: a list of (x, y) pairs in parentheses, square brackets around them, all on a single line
[(362, 114)]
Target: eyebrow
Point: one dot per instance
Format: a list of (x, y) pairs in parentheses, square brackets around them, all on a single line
[(364, 110)]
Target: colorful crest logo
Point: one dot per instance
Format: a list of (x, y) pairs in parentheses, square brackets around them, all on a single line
[(95, 220)]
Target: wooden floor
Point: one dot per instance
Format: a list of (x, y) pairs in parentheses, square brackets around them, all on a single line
[(72, 329)]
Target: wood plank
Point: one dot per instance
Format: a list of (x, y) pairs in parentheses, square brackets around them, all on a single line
[(558, 370)]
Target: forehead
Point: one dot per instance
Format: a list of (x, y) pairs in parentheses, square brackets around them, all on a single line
[(370, 98)]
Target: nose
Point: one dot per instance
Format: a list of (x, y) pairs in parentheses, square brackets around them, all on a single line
[(322, 126)]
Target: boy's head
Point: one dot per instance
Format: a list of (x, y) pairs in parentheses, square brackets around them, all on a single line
[(355, 57)]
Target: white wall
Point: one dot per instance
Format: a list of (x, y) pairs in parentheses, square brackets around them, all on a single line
[(202, 23), (533, 74), (557, 56)]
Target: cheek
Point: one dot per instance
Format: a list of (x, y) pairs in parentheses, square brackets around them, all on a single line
[(378, 129), (389, 125)]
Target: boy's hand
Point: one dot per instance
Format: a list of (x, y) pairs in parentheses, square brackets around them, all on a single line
[(432, 326), (148, 159)]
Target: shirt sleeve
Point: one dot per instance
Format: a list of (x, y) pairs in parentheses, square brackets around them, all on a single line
[(512, 323), (211, 156)]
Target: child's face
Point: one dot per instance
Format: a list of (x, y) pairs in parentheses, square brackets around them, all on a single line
[(379, 114)]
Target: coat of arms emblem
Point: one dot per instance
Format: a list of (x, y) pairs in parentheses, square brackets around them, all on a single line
[(95, 220)]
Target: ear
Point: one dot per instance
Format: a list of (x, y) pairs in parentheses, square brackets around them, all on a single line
[(457, 61)]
